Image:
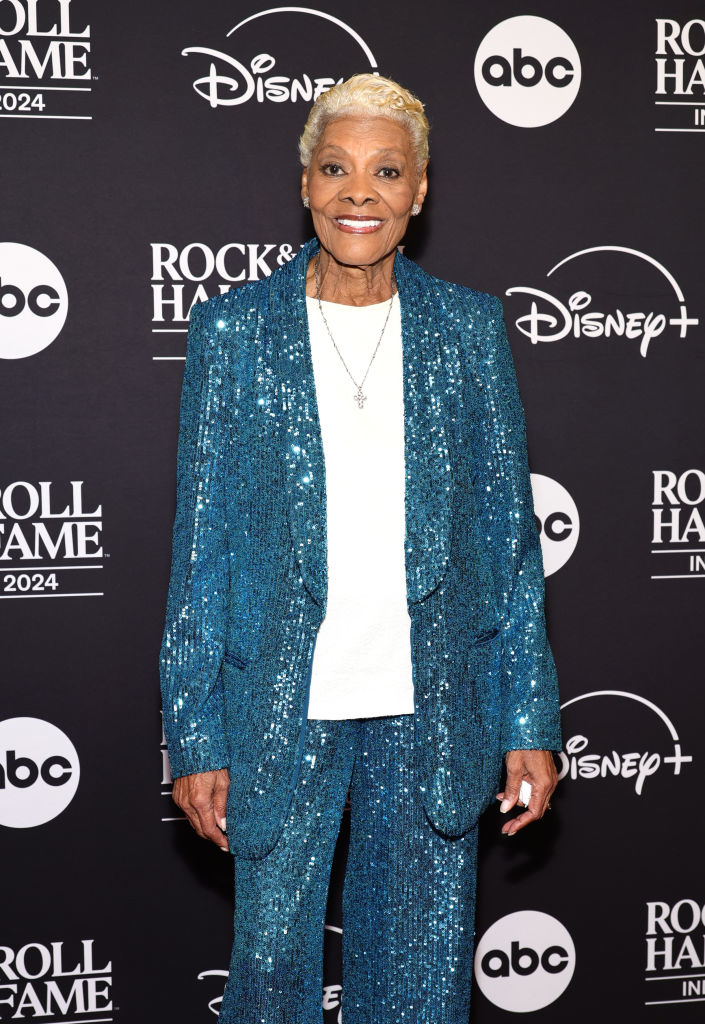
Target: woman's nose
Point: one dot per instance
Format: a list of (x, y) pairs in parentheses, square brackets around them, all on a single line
[(357, 191)]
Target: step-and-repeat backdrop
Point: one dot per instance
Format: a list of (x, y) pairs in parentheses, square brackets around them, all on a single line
[(148, 159)]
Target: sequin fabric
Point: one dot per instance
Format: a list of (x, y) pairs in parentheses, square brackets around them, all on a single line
[(408, 895), (249, 574)]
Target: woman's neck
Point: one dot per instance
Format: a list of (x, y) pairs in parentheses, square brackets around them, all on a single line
[(351, 286)]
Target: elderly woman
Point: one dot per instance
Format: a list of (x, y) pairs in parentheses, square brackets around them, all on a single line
[(353, 479)]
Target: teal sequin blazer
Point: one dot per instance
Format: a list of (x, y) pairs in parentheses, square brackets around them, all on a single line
[(249, 576)]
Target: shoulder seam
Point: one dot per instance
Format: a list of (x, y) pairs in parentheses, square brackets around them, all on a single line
[(463, 289)]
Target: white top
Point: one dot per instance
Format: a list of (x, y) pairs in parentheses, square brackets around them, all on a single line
[(362, 659)]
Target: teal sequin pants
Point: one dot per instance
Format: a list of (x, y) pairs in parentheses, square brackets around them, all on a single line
[(408, 896)]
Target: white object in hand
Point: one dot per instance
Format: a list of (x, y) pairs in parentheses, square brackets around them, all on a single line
[(525, 793)]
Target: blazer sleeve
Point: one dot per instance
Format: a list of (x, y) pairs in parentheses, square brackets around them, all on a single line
[(531, 711), (193, 640)]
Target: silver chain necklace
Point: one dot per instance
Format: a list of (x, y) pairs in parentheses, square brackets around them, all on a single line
[(359, 395)]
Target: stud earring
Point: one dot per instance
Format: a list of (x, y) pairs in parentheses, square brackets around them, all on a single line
[(306, 202), (415, 210)]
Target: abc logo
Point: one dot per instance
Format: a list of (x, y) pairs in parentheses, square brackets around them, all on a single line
[(558, 521), (39, 772), (524, 961), (33, 301), (527, 71)]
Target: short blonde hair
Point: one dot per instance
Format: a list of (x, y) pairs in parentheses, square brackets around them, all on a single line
[(371, 95)]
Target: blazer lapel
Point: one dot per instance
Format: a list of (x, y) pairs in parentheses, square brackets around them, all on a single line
[(428, 493), (301, 442), (428, 481)]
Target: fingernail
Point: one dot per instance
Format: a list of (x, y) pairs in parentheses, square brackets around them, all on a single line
[(224, 849), (504, 806), (222, 823)]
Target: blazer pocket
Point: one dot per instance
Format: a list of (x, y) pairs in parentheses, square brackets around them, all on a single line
[(485, 638), (236, 660)]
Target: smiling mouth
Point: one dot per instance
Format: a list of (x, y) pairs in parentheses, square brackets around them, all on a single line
[(358, 225)]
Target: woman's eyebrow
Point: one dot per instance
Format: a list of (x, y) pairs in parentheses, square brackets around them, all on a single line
[(389, 152), (376, 153)]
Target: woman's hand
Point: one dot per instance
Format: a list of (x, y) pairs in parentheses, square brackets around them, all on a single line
[(538, 768), (202, 798)]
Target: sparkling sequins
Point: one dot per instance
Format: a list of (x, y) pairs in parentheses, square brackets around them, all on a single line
[(408, 896), (249, 574)]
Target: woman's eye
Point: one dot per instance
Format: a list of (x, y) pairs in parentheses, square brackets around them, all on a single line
[(389, 172), (332, 169)]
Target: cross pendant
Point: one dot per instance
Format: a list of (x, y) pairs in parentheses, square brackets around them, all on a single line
[(360, 398)]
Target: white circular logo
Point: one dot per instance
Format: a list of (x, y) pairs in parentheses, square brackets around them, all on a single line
[(559, 519), (39, 772), (524, 961), (33, 301), (527, 71)]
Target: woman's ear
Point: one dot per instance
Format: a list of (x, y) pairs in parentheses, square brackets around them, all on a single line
[(423, 185)]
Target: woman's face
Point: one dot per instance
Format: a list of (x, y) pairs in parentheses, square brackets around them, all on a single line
[(362, 183)]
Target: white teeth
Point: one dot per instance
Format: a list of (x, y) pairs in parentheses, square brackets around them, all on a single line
[(358, 223)]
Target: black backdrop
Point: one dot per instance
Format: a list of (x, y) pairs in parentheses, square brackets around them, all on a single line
[(143, 194)]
